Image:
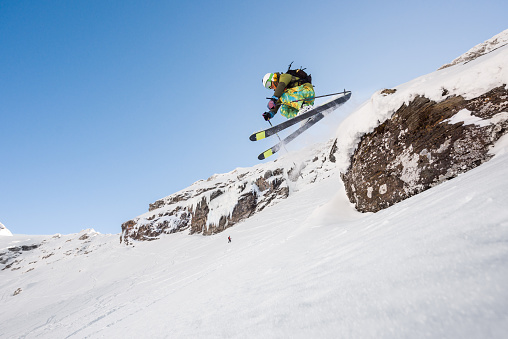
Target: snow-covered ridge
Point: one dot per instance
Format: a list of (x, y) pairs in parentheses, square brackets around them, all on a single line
[(488, 46), (4, 231), (469, 80)]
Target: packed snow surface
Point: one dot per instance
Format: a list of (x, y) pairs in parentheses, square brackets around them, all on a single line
[(434, 265)]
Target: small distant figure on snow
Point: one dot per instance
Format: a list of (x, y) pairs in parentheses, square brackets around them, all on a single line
[(229, 239)]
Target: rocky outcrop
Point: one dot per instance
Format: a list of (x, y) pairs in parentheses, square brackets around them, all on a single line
[(210, 208), (8, 257), (422, 144), (428, 130)]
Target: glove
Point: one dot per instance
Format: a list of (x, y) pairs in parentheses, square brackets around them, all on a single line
[(272, 103), (268, 115)]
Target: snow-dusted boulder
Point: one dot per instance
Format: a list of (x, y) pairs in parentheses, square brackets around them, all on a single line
[(430, 129), (4, 231)]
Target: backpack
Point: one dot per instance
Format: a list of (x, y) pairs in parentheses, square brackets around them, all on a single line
[(299, 73)]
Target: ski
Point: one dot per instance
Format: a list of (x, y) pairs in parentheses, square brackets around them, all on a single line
[(312, 120), (275, 129)]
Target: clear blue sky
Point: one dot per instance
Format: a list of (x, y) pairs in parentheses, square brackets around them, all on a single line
[(107, 106)]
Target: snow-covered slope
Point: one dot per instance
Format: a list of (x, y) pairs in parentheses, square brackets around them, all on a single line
[(4, 231), (433, 266)]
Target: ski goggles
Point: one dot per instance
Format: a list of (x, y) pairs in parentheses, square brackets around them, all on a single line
[(268, 82)]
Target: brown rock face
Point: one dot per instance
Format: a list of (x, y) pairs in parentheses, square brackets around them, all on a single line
[(176, 213), (419, 147)]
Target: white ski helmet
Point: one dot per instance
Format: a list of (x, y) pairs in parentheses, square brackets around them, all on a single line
[(267, 80)]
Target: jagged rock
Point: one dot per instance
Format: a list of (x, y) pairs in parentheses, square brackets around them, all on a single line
[(173, 200), (199, 217), (29, 247), (423, 144), (386, 92), (245, 208), (332, 152)]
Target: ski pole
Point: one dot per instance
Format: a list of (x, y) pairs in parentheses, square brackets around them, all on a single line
[(319, 96), (283, 145), (277, 134)]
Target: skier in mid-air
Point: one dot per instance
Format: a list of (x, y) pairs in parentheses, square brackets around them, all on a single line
[(291, 93), (294, 96)]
